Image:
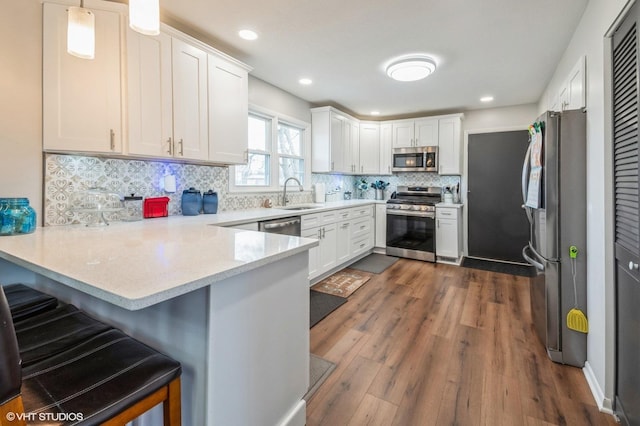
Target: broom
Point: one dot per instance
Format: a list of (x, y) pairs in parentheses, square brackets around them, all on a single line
[(576, 319)]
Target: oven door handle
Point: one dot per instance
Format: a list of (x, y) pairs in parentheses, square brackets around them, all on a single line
[(429, 215)]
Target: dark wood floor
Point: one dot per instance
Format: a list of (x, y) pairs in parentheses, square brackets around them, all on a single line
[(434, 344)]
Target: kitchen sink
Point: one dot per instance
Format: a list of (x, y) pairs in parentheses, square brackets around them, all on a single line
[(300, 207)]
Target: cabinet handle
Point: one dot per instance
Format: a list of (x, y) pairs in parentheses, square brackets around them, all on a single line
[(323, 232), (332, 166), (319, 233), (363, 226), (345, 225), (170, 142), (112, 139), (438, 223), (181, 147)]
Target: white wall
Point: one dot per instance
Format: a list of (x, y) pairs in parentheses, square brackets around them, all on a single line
[(271, 97), (519, 116), (589, 40), (21, 106)]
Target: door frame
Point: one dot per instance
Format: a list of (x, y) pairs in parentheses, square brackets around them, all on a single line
[(464, 183)]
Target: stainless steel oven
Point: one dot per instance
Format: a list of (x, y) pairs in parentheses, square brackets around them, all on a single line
[(411, 222), (416, 159)]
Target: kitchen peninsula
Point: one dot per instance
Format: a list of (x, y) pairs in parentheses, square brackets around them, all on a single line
[(231, 305)]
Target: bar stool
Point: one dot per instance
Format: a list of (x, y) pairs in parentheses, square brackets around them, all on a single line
[(25, 301), (44, 335), (109, 378)]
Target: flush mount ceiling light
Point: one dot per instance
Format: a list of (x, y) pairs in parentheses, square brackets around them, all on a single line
[(305, 81), (486, 99), (411, 68), (247, 34), (144, 16), (375, 112), (81, 38)]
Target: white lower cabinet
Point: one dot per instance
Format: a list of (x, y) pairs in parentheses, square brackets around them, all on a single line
[(343, 249), (449, 232), (343, 234), (381, 226), (314, 252)]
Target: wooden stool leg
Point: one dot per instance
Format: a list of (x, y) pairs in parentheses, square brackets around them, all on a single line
[(12, 413), (172, 405)]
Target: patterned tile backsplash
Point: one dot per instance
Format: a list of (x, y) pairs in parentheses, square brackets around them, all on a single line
[(67, 174)]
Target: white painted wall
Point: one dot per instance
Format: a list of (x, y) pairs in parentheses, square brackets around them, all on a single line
[(273, 98), (21, 106), (519, 116), (589, 40)]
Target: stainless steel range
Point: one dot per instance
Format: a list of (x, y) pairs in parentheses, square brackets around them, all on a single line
[(411, 222)]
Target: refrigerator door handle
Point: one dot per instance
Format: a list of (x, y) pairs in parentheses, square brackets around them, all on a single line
[(525, 174), (530, 259)]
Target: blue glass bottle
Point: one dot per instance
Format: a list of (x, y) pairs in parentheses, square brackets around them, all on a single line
[(16, 216)]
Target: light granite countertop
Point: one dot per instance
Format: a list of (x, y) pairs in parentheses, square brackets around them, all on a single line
[(138, 264)]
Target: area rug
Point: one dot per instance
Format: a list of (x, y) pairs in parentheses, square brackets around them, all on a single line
[(374, 263), (319, 370), (342, 283), (321, 305), (497, 266)]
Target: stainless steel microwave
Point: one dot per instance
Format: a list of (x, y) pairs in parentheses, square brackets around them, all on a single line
[(415, 159)]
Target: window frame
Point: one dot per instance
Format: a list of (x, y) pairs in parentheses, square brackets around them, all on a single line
[(274, 156)]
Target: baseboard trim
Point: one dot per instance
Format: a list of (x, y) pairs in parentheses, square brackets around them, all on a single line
[(604, 404)]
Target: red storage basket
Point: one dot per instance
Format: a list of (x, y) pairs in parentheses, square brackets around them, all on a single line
[(156, 207)]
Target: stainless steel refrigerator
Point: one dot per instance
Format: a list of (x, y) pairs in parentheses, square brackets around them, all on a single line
[(554, 194)]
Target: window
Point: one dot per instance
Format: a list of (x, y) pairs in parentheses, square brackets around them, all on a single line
[(279, 148)]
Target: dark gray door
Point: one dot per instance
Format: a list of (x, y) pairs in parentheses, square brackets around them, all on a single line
[(627, 223), (498, 226)]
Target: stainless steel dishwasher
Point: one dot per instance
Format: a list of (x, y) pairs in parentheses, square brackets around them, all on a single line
[(285, 226)]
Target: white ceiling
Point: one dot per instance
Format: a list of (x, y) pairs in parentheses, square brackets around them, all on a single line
[(505, 48)]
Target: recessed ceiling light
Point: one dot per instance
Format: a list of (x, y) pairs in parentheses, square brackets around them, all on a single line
[(411, 68), (486, 99), (305, 81), (375, 112), (248, 34)]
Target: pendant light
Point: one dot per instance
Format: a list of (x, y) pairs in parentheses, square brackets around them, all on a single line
[(144, 16), (81, 34)]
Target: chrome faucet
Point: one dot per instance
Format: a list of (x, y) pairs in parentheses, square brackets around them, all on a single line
[(284, 194)]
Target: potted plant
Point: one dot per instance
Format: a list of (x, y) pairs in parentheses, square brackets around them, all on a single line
[(379, 186)]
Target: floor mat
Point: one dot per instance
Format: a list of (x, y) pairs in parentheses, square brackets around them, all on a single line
[(319, 370), (342, 283), (321, 305), (374, 263)]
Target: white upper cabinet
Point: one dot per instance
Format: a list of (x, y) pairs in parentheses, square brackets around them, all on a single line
[(386, 148), (167, 97), (413, 133), (228, 111), (337, 147), (403, 134), (575, 93), (330, 141), (82, 98), (190, 109), (370, 148), (426, 132), (184, 99), (150, 97), (572, 93), (449, 146)]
